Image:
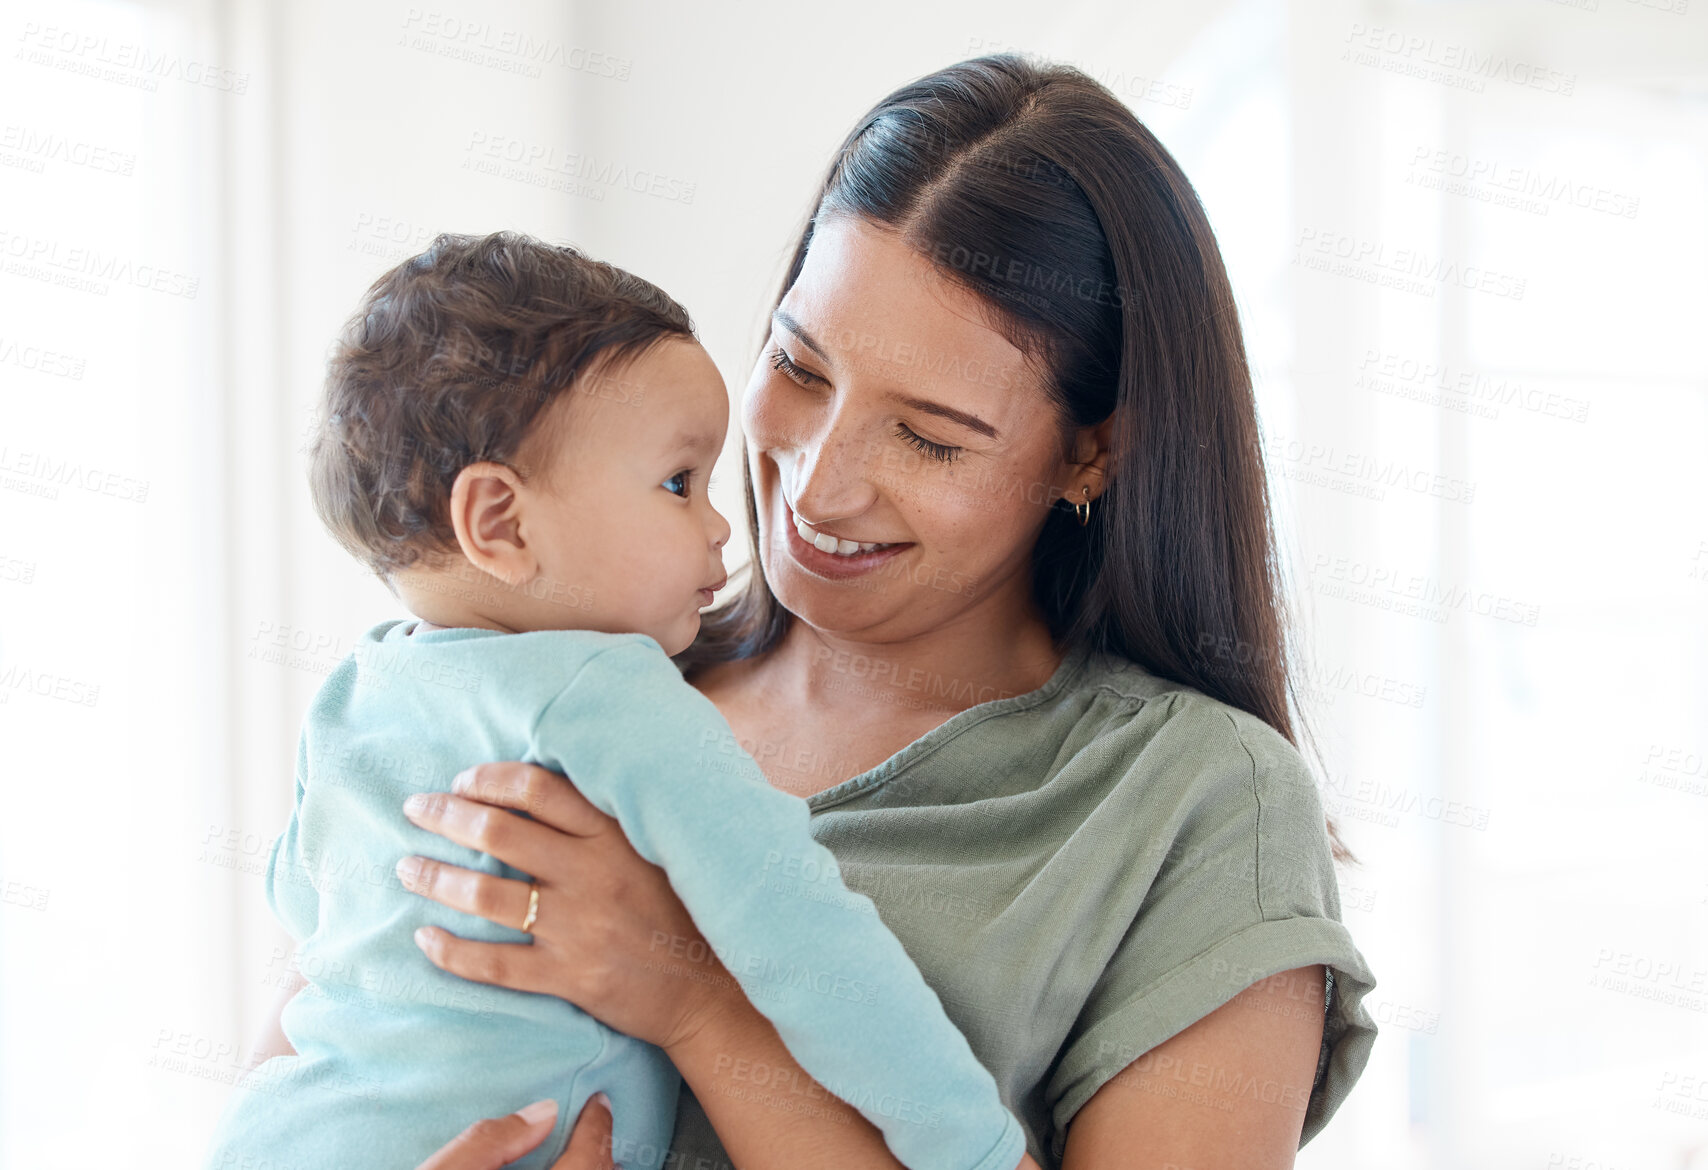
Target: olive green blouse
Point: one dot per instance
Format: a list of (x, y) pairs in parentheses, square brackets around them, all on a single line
[(1083, 871)]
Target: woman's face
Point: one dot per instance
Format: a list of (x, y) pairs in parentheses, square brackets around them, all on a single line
[(886, 409)]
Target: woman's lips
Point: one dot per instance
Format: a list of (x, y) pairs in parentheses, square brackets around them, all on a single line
[(832, 565)]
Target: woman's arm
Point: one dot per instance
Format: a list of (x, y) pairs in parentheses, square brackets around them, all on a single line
[(614, 939), (1230, 1090)]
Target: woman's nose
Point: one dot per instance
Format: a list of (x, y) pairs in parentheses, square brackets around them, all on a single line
[(831, 476), (830, 484)]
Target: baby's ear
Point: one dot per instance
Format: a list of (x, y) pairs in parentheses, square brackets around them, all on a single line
[(486, 512)]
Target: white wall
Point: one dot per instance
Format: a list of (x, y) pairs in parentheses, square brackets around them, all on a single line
[(1526, 786)]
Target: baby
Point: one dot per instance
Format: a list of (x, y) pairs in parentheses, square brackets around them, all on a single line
[(516, 439)]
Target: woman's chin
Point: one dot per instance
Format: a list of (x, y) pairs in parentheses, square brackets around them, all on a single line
[(834, 606)]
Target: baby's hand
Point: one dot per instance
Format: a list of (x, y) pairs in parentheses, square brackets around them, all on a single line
[(494, 1142)]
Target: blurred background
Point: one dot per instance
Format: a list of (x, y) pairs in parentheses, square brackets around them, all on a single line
[(1469, 243)]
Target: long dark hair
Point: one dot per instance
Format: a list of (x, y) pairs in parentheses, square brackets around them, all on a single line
[(1036, 188)]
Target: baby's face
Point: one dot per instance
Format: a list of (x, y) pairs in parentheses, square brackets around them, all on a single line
[(625, 533)]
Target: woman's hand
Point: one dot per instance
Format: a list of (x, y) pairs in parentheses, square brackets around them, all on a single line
[(497, 1141), (610, 935)]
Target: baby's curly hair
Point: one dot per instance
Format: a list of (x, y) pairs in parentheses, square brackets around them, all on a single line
[(451, 359)]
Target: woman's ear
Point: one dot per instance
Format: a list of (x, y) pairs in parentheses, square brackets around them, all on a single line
[(1090, 458), (486, 511)]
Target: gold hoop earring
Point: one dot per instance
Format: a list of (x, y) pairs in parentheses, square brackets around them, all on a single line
[(1083, 508)]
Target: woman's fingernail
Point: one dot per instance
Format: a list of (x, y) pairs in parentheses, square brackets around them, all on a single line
[(414, 805), (605, 1101), (421, 937), (539, 1111)]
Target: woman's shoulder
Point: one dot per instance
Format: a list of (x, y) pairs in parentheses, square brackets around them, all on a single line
[(1164, 706), (1183, 745), (1224, 795)]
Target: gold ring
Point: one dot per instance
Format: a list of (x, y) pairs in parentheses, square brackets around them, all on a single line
[(533, 906)]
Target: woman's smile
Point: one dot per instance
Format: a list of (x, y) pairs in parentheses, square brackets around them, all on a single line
[(833, 544), (836, 566)]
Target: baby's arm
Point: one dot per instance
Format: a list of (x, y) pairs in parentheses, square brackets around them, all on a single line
[(813, 956)]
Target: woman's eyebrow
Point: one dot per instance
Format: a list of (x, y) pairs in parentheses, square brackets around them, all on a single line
[(971, 421), (925, 406), (794, 326)]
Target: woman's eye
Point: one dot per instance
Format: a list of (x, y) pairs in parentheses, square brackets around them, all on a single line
[(782, 362), (686, 477), (938, 451)]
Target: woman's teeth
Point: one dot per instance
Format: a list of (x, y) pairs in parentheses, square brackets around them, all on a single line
[(829, 544)]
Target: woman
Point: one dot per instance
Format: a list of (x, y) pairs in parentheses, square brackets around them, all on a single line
[(1045, 724)]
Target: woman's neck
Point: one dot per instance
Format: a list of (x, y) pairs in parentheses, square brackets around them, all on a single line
[(947, 670)]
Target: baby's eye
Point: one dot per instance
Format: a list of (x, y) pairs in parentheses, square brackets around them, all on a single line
[(685, 476)]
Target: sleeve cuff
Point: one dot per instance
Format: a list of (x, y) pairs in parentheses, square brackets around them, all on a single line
[(1005, 1155), (1198, 987)]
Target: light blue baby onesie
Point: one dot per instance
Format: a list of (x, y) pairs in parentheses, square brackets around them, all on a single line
[(395, 1057)]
